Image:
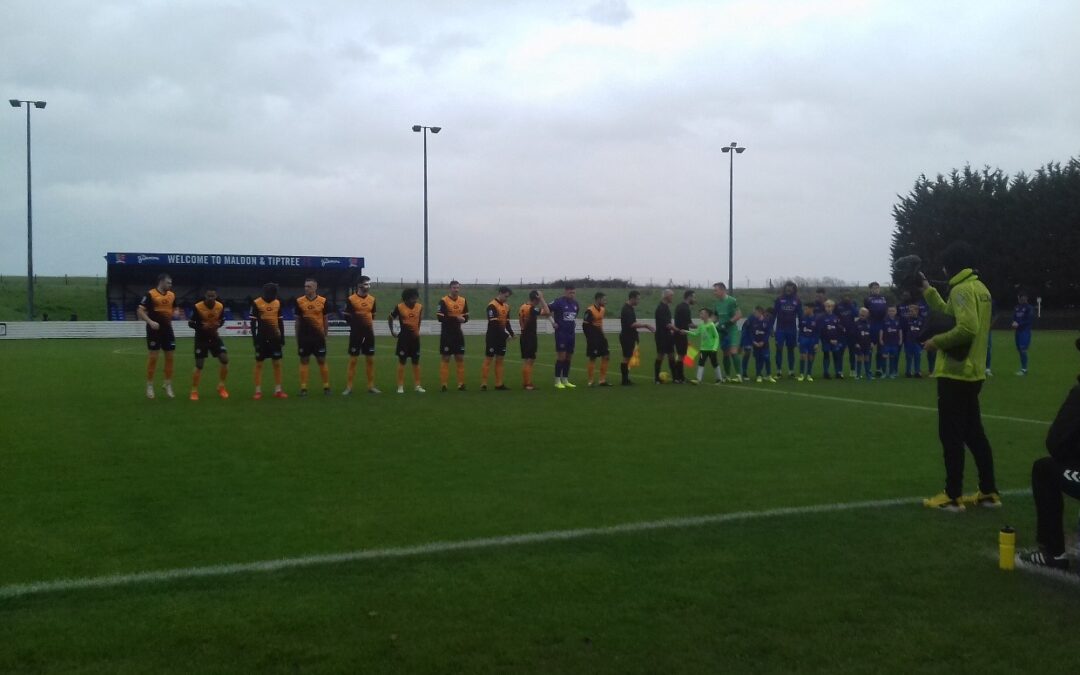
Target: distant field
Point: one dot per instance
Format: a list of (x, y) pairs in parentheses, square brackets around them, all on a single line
[(97, 480), (85, 296)]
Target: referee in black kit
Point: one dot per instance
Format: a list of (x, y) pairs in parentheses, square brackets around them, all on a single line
[(683, 321), (628, 336)]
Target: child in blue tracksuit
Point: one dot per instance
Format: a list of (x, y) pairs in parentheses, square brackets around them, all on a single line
[(746, 339), (1023, 318), (892, 338), (863, 345), (912, 342), (832, 340), (808, 342), (761, 330)]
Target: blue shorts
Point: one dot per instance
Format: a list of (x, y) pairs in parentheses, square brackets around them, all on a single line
[(1023, 339), (762, 352), (890, 350), (747, 340), (564, 342), (862, 349), (830, 348), (807, 345), (912, 348), (786, 338)]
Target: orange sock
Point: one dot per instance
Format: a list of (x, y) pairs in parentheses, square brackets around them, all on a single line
[(461, 371), (498, 372), (351, 372), (223, 374), (603, 370), (370, 366), (168, 366), (444, 373), (484, 370), (325, 372), (277, 374), (303, 375), (195, 377), (151, 366), (590, 368), (416, 374), (258, 374), (401, 374)]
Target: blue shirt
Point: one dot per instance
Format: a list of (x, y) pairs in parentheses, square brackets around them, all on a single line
[(863, 335), (808, 328), (913, 329), (564, 312), (761, 329), (819, 307), (847, 311), (890, 332), (788, 309), (1024, 316), (878, 306), (830, 328)]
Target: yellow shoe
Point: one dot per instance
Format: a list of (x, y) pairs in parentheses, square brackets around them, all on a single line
[(991, 500), (560, 385), (943, 502), (569, 385)]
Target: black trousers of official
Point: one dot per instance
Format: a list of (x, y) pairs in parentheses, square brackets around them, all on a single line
[(960, 425), (1050, 479)]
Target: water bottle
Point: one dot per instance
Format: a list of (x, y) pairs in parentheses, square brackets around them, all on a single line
[(1007, 548)]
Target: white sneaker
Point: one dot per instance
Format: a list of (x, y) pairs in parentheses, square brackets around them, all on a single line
[(401, 390), (374, 390), (988, 373), (1021, 372), (419, 390), (169, 391), (347, 392), (150, 390)]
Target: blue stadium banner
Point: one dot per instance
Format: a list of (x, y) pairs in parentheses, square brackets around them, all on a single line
[(233, 260)]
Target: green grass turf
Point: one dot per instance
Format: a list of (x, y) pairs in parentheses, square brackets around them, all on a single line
[(97, 480)]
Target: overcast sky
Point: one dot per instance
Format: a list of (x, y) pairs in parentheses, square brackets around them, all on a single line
[(580, 138)]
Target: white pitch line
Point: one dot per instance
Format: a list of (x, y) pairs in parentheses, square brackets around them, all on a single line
[(1063, 576), (175, 574)]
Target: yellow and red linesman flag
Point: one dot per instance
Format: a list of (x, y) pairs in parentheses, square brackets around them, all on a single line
[(691, 356), (635, 359)]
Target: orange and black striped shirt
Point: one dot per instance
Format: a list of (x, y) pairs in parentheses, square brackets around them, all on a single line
[(361, 310), (498, 314), (311, 315), (593, 323), (207, 319), (408, 318), (159, 306), (266, 318), (449, 310)]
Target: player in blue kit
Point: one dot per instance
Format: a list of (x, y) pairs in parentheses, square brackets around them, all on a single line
[(761, 328), (848, 311), (832, 344), (863, 345), (564, 313), (746, 345), (819, 301), (878, 305), (808, 343), (892, 337), (787, 308), (1023, 318), (913, 327)]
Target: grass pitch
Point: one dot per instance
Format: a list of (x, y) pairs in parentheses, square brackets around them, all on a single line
[(97, 480)]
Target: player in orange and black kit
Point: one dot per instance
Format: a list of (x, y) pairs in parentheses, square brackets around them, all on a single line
[(158, 309), (498, 330), (527, 313), (453, 311), (596, 345), (360, 313), (207, 316), (408, 313), (268, 333), (312, 310)]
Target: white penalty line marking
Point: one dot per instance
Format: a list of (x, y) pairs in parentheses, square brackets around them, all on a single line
[(111, 581)]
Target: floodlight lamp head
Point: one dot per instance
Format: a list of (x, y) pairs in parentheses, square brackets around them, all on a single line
[(435, 130), (39, 104), (740, 150), (15, 103), (725, 149), (416, 127)]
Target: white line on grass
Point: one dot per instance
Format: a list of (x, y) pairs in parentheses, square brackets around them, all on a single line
[(111, 581), (1062, 576)]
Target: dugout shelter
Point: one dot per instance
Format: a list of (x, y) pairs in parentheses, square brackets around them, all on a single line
[(238, 278)]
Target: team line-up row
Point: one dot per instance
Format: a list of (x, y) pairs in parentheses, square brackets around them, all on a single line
[(875, 328)]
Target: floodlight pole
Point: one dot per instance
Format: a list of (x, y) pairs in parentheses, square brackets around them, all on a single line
[(731, 210), (16, 103), (424, 130)]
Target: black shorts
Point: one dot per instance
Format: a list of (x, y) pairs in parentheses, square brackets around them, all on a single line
[(664, 343), (311, 345), (495, 344), (597, 347), (682, 344), (212, 346), (628, 342), (162, 339), (408, 347), (268, 349), (362, 342), (451, 342), (528, 347)]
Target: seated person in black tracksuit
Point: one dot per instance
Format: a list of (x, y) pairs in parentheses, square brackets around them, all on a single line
[(1053, 476)]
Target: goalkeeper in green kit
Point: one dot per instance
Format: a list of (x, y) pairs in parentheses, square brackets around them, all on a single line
[(710, 340), (727, 317)]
